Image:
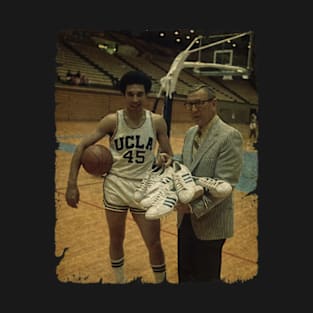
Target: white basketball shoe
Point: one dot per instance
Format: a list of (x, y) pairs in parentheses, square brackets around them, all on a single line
[(218, 188), (162, 182), (147, 182), (187, 190), (163, 204)]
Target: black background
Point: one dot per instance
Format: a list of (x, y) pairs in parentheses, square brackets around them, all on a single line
[(28, 249)]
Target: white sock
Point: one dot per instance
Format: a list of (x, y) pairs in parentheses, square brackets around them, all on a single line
[(159, 273), (118, 269)]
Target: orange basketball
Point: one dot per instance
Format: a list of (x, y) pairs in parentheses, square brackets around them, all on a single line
[(97, 160)]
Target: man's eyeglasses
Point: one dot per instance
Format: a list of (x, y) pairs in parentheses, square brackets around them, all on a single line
[(197, 103)]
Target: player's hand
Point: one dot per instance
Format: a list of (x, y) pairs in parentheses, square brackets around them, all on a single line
[(72, 196), (164, 159)]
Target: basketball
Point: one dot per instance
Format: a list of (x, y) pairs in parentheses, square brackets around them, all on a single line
[(97, 160)]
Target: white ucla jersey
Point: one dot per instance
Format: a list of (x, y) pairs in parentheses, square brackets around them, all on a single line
[(133, 148)]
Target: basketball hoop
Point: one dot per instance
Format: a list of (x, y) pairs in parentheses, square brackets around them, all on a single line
[(169, 81)]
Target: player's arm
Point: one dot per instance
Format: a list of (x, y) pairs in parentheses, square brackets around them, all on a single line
[(105, 126), (165, 152)]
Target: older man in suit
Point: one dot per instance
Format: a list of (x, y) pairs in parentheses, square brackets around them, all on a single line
[(212, 149)]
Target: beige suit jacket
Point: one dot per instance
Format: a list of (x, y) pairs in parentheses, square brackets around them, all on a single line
[(219, 156)]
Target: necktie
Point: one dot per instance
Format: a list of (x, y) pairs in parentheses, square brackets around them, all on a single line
[(196, 144)]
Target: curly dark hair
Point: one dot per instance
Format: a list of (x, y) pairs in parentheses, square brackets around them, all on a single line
[(135, 77)]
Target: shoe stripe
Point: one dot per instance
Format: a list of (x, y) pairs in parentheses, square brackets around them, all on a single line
[(186, 180), (166, 180), (187, 177), (170, 205), (169, 201), (187, 174)]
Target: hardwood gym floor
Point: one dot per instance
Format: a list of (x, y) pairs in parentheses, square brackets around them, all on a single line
[(81, 234)]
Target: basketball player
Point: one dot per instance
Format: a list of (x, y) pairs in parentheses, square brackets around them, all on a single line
[(134, 132)]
